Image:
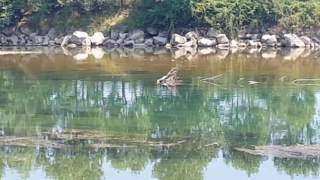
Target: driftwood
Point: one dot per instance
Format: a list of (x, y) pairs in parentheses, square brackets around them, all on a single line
[(170, 79), (297, 151), (89, 139)]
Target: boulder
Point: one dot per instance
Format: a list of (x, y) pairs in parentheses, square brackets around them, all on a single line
[(97, 38), (109, 43), (58, 40), (307, 41), (222, 39), (212, 33), (136, 34), (80, 34), (13, 40), (65, 40), (152, 31), (139, 41), (114, 34), (45, 40), (123, 35), (128, 43), (176, 39), (234, 44), (292, 40), (269, 40), (8, 31), (192, 36), (86, 42), (149, 42), (25, 30), (254, 44), (205, 42), (160, 41)]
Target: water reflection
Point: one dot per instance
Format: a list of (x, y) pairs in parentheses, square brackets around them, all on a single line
[(119, 98)]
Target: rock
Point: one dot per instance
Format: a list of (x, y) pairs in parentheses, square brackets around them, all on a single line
[(242, 44), (97, 52), (177, 39), (13, 40), (192, 36), (212, 33), (86, 42), (128, 43), (52, 33), (204, 42), (223, 46), (139, 45), (45, 40), (136, 34), (25, 30), (8, 31), (152, 31), (149, 42), (51, 43), (160, 41), (254, 37), (58, 40), (234, 44), (114, 34), (123, 35), (269, 40), (307, 41), (119, 41), (66, 40), (254, 44), (139, 41), (80, 34), (97, 38), (191, 43), (38, 40), (222, 39), (109, 43), (292, 40)]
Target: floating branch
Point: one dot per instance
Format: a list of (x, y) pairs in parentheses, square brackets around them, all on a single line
[(170, 79), (306, 82), (297, 151)]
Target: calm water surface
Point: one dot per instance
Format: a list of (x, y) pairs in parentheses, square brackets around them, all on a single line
[(107, 119)]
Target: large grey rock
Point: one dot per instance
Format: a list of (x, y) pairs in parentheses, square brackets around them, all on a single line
[(222, 39), (80, 34), (97, 38), (123, 35), (192, 36), (254, 44), (58, 40), (176, 39), (37, 40), (109, 43), (160, 41), (136, 34), (269, 40), (152, 31), (292, 40), (212, 33), (205, 42), (139, 40)]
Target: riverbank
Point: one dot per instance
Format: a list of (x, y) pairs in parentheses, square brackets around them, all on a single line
[(151, 37)]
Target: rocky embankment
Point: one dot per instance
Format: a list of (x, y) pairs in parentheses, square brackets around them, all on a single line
[(152, 37)]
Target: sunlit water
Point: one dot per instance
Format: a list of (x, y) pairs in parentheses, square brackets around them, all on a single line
[(187, 132)]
